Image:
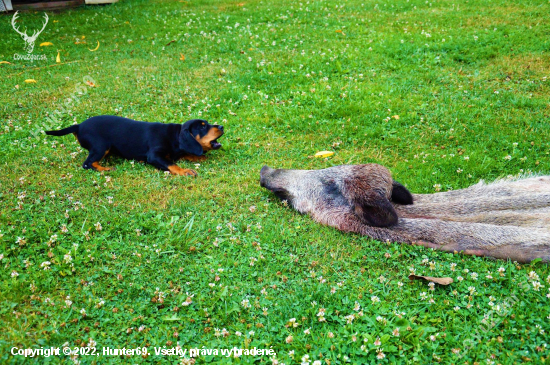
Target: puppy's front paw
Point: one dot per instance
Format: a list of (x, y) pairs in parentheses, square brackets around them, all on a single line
[(189, 172), (176, 170)]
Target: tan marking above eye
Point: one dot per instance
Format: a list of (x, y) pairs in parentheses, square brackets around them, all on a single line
[(202, 124)]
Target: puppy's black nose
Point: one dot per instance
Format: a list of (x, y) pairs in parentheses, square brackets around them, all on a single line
[(220, 127)]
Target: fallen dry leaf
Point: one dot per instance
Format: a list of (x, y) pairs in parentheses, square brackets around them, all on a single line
[(5, 62), (440, 281), (44, 44), (30, 81), (90, 84), (58, 58), (182, 57)]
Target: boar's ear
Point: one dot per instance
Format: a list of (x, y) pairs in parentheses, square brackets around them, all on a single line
[(370, 202), (400, 194), (375, 210)]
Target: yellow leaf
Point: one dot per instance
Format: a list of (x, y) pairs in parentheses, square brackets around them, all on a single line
[(83, 37), (182, 57), (95, 49), (396, 116), (56, 21), (5, 62), (30, 81), (339, 31), (90, 84), (58, 58), (324, 154), (44, 44)]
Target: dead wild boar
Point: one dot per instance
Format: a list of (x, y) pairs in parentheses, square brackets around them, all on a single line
[(509, 218)]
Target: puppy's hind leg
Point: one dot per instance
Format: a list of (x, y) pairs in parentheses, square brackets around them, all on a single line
[(94, 158)]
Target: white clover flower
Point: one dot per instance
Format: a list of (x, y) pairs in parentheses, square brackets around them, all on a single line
[(533, 276), (188, 300), (349, 319)]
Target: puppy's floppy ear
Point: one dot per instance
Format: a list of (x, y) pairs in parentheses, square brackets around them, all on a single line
[(188, 143), (400, 194), (369, 200)]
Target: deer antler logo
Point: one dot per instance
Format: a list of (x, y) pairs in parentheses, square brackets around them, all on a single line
[(30, 40)]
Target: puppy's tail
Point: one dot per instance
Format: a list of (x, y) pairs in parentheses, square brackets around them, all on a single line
[(64, 131)]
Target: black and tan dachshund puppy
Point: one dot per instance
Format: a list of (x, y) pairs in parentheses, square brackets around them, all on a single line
[(158, 144)]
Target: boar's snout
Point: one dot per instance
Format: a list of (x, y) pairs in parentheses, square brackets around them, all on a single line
[(274, 180), (263, 176)]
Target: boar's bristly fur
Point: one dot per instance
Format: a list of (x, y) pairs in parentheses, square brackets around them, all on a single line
[(508, 219)]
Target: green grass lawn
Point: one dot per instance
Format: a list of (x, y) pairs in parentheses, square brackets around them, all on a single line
[(444, 93)]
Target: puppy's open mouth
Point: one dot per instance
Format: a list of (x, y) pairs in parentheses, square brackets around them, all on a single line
[(215, 144)]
